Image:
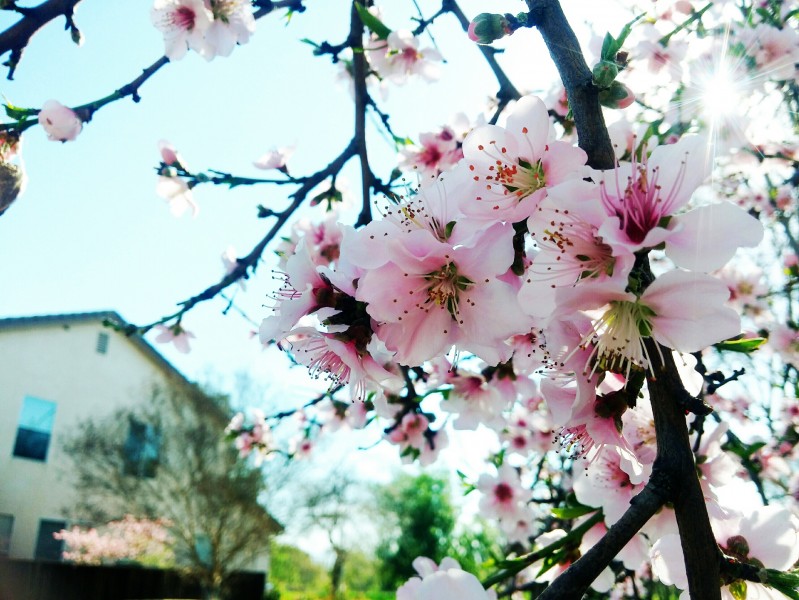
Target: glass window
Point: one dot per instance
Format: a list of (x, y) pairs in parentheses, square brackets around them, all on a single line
[(35, 428), (102, 343), (6, 527), (141, 449), (47, 547)]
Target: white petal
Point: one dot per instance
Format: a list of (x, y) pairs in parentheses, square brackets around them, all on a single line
[(709, 236)]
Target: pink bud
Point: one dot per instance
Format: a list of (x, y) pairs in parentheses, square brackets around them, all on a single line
[(486, 28), (59, 122)]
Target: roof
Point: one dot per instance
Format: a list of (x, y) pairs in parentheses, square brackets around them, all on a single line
[(104, 316)]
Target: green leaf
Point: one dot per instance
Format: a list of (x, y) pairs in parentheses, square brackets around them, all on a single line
[(609, 47), (743, 450), (18, 113), (309, 42), (571, 512), (448, 230), (743, 345), (625, 31), (372, 23)]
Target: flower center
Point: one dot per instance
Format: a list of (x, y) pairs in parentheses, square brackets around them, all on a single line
[(572, 246), (642, 205), (445, 286), (224, 9), (619, 335), (183, 18), (503, 492), (522, 179)]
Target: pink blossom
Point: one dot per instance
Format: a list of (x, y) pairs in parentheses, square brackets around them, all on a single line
[(59, 122), (503, 498), (169, 156), (230, 263), (177, 194), (431, 296), (506, 171), (477, 402), (275, 159), (445, 582), (183, 24), (435, 153), (681, 310), (175, 335), (605, 484), (233, 23), (399, 57)]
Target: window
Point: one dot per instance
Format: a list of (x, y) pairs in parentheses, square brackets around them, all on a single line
[(141, 449), (6, 527), (35, 428), (102, 343), (47, 547)]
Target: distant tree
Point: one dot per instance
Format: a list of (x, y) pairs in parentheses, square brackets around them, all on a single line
[(167, 458), (419, 521), (292, 570), (327, 505)]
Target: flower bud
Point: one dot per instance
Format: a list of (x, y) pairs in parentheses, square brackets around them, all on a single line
[(738, 547), (486, 28), (76, 35), (59, 122), (605, 74), (617, 95)]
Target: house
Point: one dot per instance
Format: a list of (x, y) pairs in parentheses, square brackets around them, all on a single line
[(55, 371)]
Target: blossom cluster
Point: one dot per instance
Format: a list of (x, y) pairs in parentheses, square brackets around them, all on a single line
[(209, 27), (130, 539)]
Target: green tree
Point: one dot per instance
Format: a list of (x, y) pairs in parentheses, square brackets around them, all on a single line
[(293, 571), (419, 520)]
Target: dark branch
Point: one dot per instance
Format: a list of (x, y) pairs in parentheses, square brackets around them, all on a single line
[(507, 91), (250, 262), (360, 70), (16, 38), (583, 95)]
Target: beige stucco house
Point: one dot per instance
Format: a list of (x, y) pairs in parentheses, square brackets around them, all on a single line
[(54, 372)]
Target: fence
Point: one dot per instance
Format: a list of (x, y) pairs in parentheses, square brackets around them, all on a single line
[(36, 580)]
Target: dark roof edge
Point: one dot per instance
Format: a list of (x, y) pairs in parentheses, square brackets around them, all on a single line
[(97, 316)]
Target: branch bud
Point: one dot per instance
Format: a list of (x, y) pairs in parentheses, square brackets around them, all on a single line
[(486, 28), (617, 95), (76, 35), (605, 73)]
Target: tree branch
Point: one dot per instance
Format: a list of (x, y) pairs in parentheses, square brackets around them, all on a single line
[(548, 17), (575, 581), (16, 38), (359, 73), (507, 91), (250, 262), (676, 460)]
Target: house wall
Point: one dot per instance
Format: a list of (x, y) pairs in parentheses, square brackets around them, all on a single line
[(59, 362)]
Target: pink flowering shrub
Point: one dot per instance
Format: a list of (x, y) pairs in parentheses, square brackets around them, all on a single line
[(143, 541)]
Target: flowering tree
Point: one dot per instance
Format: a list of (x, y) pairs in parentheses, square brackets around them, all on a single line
[(550, 279), (142, 541)]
